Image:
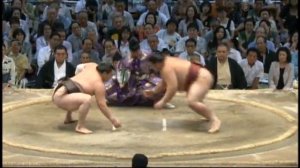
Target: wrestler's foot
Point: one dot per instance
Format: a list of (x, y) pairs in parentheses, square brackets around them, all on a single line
[(169, 106), (67, 121), (215, 125), (83, 130)]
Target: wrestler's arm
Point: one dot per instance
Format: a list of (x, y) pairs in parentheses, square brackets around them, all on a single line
[(160, 87), (79, 68), (169, 77), (101, 102)]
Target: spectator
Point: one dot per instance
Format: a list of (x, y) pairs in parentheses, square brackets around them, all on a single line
[(218, 37), (63, 13), (227, 73), (265, 15), (226, 22), (87, 46), (160, 17), (271, 35), (233, 52), (191, 16), (16, 12), (193, 33), (80, 5), (26, 49), (281, 73), (163, 8), (84, 24), (260, 31), (14, 24), (179, 9), (43, 36), (109, 51), (15, 4), (149, 19), (292, 45), (47, 53), (253, 68), (120, 8), (209, 35), (91, 7), (96, 45), (205, 15), (123, 43), (8, 69), (85, 58), (152, 44), (66, 44), (107, 9), (266, 56), (289, 16), (169, 35), (53, 20), (147, 30), (246, 36), (245, 12), (139, 160), (20, 60), (118, 24), (55, 69), (75, 38), (190, 52)]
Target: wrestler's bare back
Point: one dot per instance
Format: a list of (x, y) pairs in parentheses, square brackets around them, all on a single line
[(88, 78), (181, 70)]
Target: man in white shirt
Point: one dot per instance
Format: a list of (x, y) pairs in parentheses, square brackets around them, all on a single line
[(253, 69), (153, 43), (190, 52), (192, 33), (169, 35), (160, 17), (47, 53)]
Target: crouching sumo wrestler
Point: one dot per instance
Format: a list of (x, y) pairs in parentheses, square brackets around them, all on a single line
[(76, 94), (182, 75)]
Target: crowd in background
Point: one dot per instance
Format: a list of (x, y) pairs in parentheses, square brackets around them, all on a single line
[(262, 38)]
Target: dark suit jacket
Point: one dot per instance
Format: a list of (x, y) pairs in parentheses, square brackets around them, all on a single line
[(238, 79), (270, 57), (45, 77)]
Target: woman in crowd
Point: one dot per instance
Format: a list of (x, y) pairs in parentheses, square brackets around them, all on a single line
[(123, 43), (218, 37), (191, 16), (281, 72), (26, 49)]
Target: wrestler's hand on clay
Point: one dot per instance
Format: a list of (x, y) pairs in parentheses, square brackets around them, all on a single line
[(148, 93), (159, 105), (116, 122)]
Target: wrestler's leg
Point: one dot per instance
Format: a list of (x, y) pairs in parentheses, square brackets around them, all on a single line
[(72, 102), (69, 119), (197, 93)]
